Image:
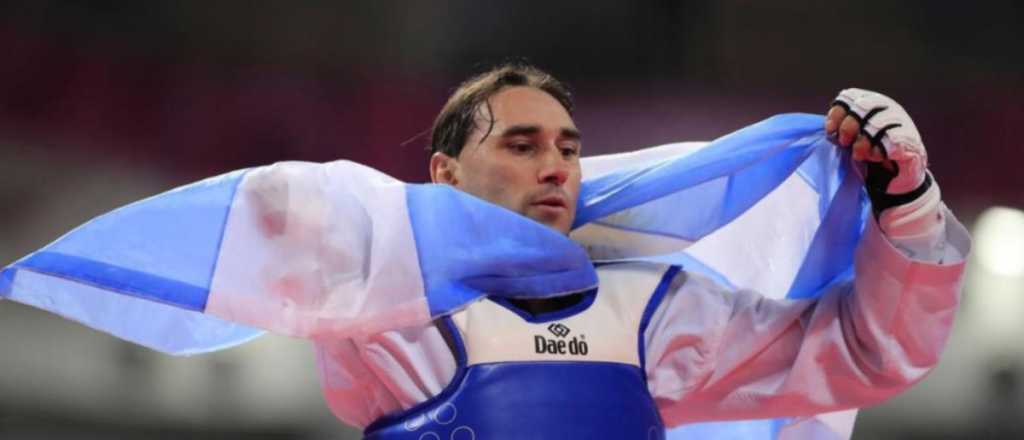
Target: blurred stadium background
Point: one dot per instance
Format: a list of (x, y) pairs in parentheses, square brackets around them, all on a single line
[(105, 102)]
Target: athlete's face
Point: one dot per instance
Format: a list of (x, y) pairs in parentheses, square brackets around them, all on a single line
[(528, 162)]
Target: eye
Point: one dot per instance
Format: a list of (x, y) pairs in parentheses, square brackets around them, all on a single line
[(569, 151), (521, 147)]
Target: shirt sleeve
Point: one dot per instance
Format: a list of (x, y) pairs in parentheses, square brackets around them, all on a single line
[(716, 354)]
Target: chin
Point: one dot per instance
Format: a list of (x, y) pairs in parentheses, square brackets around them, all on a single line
[(561, 227), (555, 224), (554, 220)]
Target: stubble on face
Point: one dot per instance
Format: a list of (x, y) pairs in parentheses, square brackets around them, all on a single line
[(524, 156)]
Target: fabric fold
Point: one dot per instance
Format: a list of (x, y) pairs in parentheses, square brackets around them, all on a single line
[(338, 249)]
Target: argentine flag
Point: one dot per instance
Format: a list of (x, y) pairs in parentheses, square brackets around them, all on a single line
[(340, 250)]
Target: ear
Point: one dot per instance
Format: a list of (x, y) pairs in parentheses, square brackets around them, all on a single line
[(444, 169)]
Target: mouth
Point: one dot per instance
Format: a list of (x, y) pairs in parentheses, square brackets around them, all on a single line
[(551, 202)]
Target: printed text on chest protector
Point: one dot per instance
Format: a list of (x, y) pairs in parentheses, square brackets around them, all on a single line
[(576, 346)]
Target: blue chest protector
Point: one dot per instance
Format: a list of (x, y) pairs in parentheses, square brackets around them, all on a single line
[(572, 374)]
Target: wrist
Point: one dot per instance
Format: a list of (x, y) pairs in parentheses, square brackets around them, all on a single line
[(882, 199), (917, 216)]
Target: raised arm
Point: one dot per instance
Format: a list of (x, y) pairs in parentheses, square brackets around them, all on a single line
[(717, 354)]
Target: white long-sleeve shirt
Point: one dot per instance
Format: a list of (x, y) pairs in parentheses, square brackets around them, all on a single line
[(717, 354)]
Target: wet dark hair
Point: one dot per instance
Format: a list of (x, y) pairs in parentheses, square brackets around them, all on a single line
[(457, 118)]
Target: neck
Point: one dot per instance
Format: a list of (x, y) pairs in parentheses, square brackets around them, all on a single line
[(546, 305)]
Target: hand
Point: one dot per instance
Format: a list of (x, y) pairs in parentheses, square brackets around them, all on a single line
[(881, 133)]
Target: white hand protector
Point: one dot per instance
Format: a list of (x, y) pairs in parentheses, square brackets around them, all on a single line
[(890, 128)]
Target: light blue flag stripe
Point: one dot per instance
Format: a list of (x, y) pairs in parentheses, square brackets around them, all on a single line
[(118, 279), (163, 250), (6, 282), (735, 430), (174, 235), (830, 257), (468, 247), (723, 180)]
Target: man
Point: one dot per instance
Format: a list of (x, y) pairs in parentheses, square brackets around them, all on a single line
[(467, 313), (508, 368)]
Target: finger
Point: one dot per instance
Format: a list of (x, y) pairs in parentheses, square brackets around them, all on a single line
[(848, 130), (862, 149), (835, 115)]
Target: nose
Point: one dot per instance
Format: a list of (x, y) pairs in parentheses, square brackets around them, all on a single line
[(554, 168)]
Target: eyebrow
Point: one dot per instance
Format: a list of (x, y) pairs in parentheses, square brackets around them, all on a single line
[(525, 129)]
